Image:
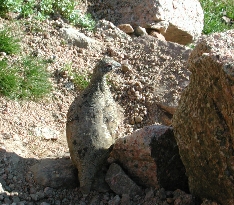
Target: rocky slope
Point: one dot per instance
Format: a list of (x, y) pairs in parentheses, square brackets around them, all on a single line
[(147, 87)]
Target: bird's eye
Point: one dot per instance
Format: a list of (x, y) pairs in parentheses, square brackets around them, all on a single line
[(108, 66)]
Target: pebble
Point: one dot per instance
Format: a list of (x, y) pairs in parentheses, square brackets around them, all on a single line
[(126, 67), (115, 201), (46, 132), (138, 119), (44, 203), (125, 199)]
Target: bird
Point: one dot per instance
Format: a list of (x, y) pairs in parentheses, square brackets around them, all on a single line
[(92, 125)]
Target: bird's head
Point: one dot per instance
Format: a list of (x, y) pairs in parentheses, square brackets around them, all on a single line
[(106, 65)]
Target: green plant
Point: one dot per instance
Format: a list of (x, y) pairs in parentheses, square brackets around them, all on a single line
[(214, 10), (85, 21), (27, 79), (9, 80), (35, 82), (46, 7), (43, 9), (8, 43), (65, 7), (27, 8), (80, 81), (9, 5)]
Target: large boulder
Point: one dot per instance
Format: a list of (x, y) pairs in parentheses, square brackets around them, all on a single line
[(151, 157), (178, 21), (203, 122)]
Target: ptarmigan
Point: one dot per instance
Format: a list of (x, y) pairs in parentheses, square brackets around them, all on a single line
[(92, 122)]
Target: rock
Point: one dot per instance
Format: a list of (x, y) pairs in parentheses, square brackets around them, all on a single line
[(93, 121), (127, 28), (1, 189), (151, 157), (79, 39), (120, 183), (110, 32), (203, 122), (125, 199), (115, 200), (138, 119), (55, 173), (46, 133), (181, 198), (178, 21), (139, 31), (126, 67), (156, 34)]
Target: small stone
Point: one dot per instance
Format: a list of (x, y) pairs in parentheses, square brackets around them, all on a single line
[(126, 67), (69, 86), (3, 54), (46, 35), (149, 193), (114, 201), (127, 28), (170, 200), (139, 31), (120, 183), (46, 132), (125, 199), (34, 197), (44, 203), (7, 200), (49, 191), (138, 119), (6, 136), (1, 197), (16, 199), (132, 121), (157, 35)]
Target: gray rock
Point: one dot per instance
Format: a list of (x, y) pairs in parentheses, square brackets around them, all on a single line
[(115, 200), (92, 124), (125, 199), (120, 183), (203, 122), (55, 173), (79, 39), (139, 31)]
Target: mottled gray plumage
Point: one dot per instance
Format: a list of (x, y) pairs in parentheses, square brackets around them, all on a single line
[(92, 122)]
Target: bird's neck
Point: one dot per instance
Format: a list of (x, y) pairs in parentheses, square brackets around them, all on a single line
[(99, 83)]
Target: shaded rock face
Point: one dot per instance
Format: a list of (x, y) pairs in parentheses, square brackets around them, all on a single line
[(55, 174), (151, 157), (203, 122), (178, 21), (92, 125)]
